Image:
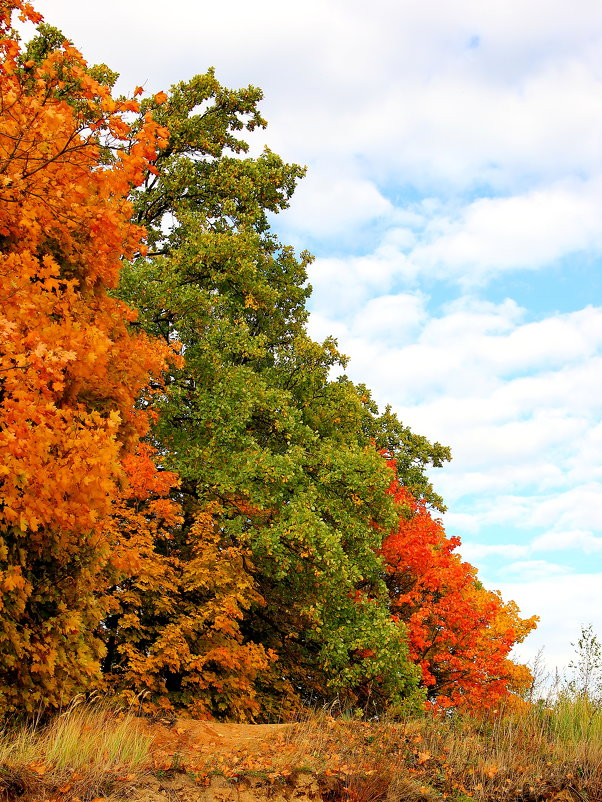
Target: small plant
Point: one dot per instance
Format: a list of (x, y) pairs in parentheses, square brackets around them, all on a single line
[(587, 667)]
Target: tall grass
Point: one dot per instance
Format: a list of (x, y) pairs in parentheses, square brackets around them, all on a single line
[(529, 752), (85, 751)]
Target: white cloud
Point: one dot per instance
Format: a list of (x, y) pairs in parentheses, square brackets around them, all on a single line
[(460, 522), (580, 539), (391, 318), (578, 507), (330, 204), (551, 541), (521, 231), (474, 552), (564, 603), (397, 83), (530, 570), (478, 357), (564, 509), (342, 286)]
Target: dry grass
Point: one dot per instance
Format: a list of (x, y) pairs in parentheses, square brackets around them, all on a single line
[(532, 753), (83, 753), (529, 754)]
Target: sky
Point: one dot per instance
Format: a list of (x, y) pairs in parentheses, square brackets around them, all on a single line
[(453, 202)]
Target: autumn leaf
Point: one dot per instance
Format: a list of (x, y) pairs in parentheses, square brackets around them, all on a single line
[(460, 634), (71, 370)]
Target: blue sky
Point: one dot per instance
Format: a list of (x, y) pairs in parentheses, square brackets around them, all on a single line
[(454, 205)]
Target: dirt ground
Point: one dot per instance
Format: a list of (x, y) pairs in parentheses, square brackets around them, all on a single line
[(186, 733), (183, 788), (193, 742)]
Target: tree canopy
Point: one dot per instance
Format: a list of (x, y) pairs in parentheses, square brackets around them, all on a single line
[(71, 368), (196, 500)]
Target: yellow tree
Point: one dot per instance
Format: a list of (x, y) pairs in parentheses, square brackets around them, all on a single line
[(70, 370), (176, 604)]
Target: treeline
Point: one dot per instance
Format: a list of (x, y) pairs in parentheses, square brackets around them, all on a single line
[(191, 509)]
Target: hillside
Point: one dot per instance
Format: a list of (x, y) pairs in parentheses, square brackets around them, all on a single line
[(534, 754)]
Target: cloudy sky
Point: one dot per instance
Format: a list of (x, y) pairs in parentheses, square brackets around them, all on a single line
[(454, 204)]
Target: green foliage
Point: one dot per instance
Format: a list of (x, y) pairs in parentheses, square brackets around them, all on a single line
[(254, 422)]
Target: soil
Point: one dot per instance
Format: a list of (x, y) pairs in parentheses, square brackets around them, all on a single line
[(187, 738), (185, 734), (183, 788)]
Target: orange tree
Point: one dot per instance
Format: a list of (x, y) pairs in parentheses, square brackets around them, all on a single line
[(459, 633), (70, 368), (175, 598)]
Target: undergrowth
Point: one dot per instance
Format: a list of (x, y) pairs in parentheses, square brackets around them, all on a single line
[(84, 753), (528, 752)]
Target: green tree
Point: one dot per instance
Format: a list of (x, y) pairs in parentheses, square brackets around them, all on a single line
[(254, 425)]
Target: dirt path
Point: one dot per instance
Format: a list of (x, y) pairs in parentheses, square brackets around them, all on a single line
[(202, 744), (191, 735)]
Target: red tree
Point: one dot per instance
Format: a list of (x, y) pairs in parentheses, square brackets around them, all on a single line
[(459, 633)]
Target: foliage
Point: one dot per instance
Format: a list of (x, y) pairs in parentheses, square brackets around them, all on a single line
[(460, 634), (71, 370), (220, 531), (173, 634), (258, 431)]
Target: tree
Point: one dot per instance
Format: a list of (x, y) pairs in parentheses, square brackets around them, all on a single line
[(250, 551), (175, 603), (71, 370), (283, 455), (587, 667), (460, 634)]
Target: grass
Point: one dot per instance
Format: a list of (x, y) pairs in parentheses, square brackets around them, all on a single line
[(530, 753), (85, 752)]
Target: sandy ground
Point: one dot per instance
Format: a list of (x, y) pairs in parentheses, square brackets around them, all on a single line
[(186, 734), (195, 740)]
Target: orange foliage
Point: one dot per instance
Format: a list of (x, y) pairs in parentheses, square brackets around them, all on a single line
[(70, 370), (82, 504), (173, 632), (459, 633)]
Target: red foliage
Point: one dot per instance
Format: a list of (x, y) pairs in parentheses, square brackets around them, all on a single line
[(459, 633)]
